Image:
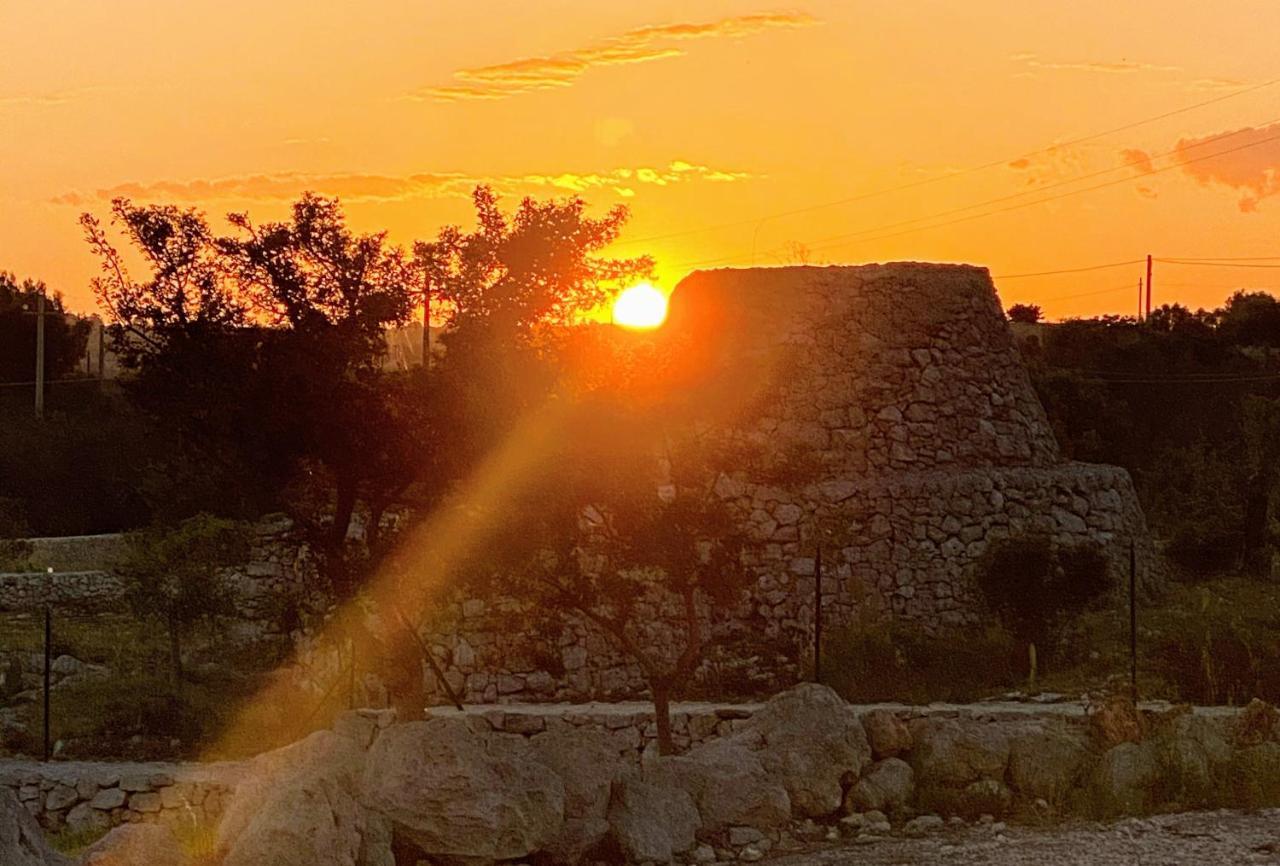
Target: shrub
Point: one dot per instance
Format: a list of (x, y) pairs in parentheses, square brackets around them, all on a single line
[(1033, 586), (1029, 313), (1220, 657)]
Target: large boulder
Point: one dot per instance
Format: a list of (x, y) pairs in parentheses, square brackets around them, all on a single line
[(587, 763), (728, 783), (1194, 753), (299, 806), (448, 793), (1254, 776), (21, 842), (949, 755), (888, 734), (1124, 779), (887, 787), (136, 845), (1047, 761), (651, 822), (812, 742)]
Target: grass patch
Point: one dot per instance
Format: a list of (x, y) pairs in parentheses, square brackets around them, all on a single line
[(118, 640), (72, 842)]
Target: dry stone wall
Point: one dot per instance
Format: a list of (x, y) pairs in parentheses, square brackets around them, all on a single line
[(898, 393), (855, 768), (87, 797), (83, 576)]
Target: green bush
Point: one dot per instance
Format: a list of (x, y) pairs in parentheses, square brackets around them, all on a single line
[(1034, 587)]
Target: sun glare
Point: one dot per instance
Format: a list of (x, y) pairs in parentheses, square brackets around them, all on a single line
[(641, 306)]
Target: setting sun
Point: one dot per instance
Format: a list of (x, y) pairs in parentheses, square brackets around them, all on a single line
[(641, 306)]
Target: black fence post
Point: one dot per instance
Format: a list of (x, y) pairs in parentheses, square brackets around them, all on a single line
[(817, 616), (1133, 620), (48, 664)]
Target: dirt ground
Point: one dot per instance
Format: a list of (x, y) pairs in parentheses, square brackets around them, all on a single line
[(1199, 838)]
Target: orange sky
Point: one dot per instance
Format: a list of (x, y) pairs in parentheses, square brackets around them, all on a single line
[(704, 117)]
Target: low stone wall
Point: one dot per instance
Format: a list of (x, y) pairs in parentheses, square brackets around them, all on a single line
[(89, 797), (629, 725), (510, 782), (65, 589), (76, 552), (278, 570)]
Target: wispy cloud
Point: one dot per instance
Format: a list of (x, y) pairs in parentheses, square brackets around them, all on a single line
[(51, 98), (1216, 84), (641, 45), (1051, 164), (1252, 168), (1137, 159), (1106, 67), (375, 188)]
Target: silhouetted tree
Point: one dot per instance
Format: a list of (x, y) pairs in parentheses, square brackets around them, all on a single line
[(1027, 313), (625, 535), (64, 335)]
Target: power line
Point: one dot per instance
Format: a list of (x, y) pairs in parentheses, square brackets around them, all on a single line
[(1018, 206), (963, 172), (853, 237), (1067, 270), (1055, 185), (1214, 264), (1127, 287)]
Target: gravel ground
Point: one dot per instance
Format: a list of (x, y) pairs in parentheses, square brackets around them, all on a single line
[(1208, 838)]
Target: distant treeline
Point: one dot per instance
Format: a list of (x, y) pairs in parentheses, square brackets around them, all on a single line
[(1189, 403)]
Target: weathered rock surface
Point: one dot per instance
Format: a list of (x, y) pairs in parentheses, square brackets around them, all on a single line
[(135, 845), (949, 755), (1047, 761), (587, 763), (652, 823), (298, 806), (1194, 752), (728, 783), (811, 742), (21, 841), (1254, 774), (444, 789), (887, 734), (1123, 780), (887, 787), (955, 752)]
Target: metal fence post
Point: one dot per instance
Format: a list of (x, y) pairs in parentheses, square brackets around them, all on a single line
[(817, 616)]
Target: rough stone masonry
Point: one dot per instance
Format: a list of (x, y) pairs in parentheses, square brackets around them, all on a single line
[(900, 389)]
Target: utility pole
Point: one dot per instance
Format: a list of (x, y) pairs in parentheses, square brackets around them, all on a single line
[(1139, 300), (1148, 285), (40, 354), (102, 351), (426, 321)]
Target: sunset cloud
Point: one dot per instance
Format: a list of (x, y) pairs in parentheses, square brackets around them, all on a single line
[(1137, 159), (1050, 165), (375, 188), (1105, 67), (641, 45), (1252, 168), (50, 98)]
